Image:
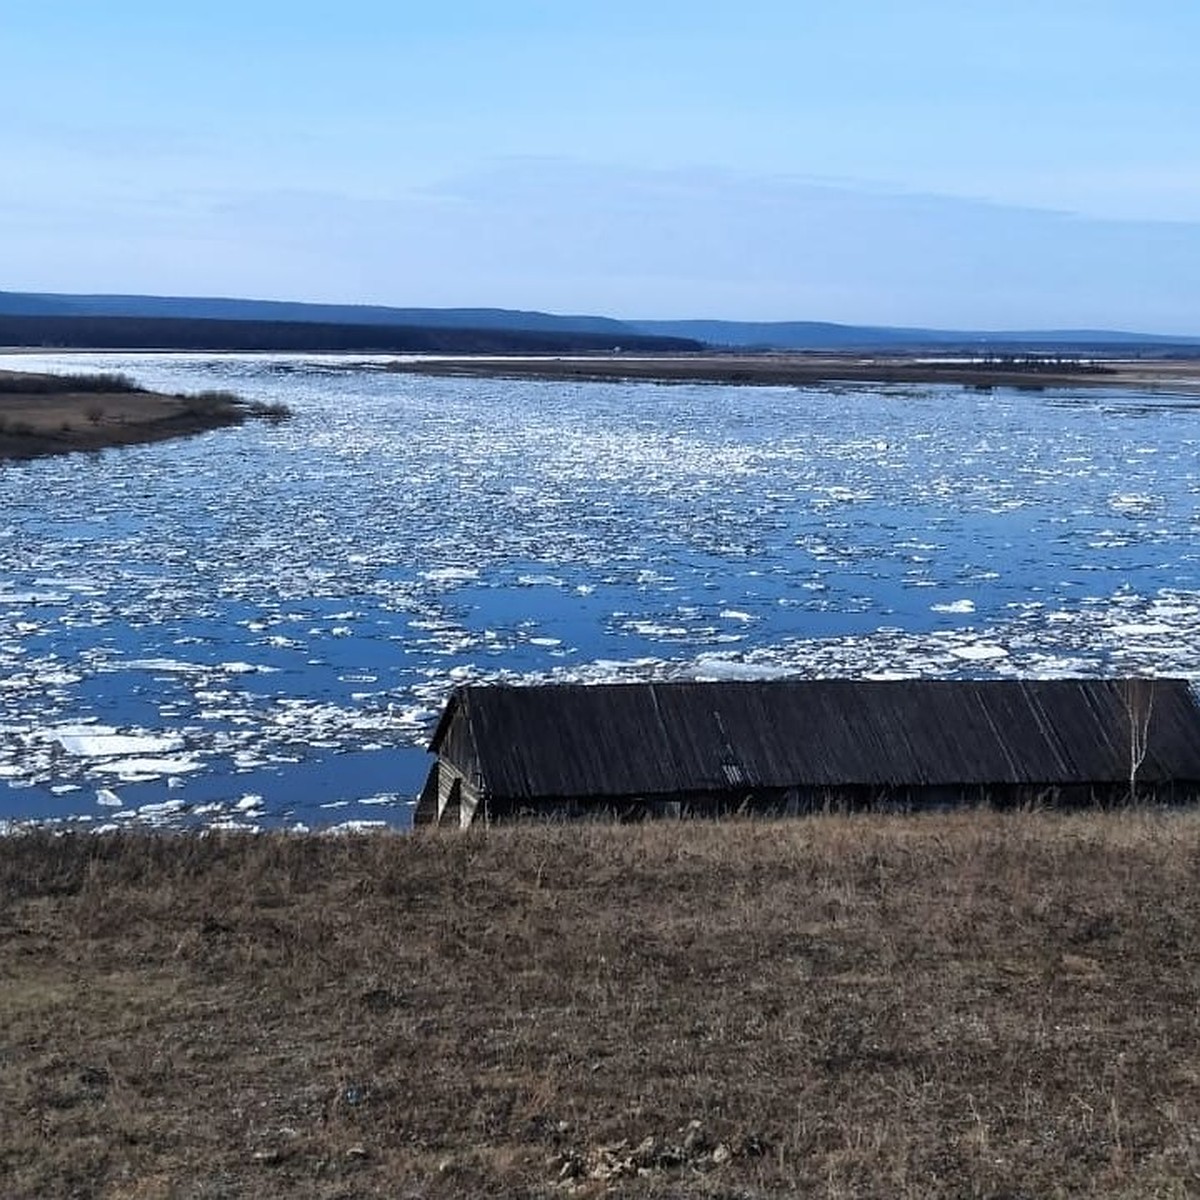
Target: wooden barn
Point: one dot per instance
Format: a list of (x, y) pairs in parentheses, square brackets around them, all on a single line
[(682, 748)]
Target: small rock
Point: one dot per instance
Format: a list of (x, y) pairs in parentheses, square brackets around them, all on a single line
[(567, 1166), (357, 1152), (647, 1152), (722, 1154), (750, 1145), (695, 1140)]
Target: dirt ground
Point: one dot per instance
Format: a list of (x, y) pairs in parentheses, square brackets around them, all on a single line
[(949, 1005)]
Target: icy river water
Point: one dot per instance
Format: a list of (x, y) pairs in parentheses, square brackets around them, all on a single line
[(258, 627)]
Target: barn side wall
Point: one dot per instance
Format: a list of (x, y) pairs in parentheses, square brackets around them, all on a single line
[(809, 800)]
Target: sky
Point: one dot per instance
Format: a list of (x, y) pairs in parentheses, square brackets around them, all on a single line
[(938, 163)]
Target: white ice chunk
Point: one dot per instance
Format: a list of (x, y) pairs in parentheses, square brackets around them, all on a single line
[(170, 665), (102, 741), (33, 598), (143, 770), (979, 652), (358, 826), (450, 574), (954, 606)]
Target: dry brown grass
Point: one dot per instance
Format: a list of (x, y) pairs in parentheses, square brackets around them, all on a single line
[(945, 1005), (59, 414), (817, 370)]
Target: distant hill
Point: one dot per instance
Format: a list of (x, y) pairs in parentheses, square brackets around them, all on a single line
[(22, 304), (481, 328), (822, 335), (224, 309), (186, 333)]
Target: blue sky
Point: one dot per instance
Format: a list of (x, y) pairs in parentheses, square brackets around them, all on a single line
[(1017, 165)]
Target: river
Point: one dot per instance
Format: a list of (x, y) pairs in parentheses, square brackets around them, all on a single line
[(258, 626)]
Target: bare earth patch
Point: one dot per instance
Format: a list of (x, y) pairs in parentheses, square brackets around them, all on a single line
[(950, 1005)]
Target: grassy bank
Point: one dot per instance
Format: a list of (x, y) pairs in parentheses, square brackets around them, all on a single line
[(947, 1005), (59, 414)]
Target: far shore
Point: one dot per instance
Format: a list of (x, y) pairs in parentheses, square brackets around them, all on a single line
[(816, 370), (59, 414)]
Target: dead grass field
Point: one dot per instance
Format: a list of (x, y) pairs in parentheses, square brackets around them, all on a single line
[(58, 414), (820, 369), (936, 1006)]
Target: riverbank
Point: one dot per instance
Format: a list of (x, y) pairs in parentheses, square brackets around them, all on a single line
[(816, 370), (934, 1006), (60, 414)]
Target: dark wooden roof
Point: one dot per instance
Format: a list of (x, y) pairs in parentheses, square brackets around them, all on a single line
[(663, 738)]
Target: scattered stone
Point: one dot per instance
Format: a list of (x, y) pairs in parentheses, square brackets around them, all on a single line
[(95, 1079), (695, 1140), (565, 1164), (613, 1161), (750, 1145), (382, 1000), (647, 1152)]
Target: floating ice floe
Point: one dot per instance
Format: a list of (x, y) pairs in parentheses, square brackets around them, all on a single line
[(143, 770), (954, 606), (34, 597), (388, 798), (164, 665), (979, 653), (357, 826), (540, 581), (450, 574), (100, 741)]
